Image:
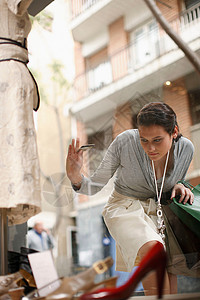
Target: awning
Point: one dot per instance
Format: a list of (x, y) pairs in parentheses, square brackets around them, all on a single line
[(37, 6)]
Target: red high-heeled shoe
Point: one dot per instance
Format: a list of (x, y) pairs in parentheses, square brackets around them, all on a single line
[(155, 259)]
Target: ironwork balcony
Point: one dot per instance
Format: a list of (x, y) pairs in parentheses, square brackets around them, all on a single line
[(90, 16), (137, 55)]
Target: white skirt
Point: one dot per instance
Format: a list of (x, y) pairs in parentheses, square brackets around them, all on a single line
[(132, 223)]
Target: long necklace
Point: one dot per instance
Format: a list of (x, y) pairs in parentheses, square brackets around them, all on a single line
[(160, 220)]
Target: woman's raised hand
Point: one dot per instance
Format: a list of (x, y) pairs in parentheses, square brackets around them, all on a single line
[(74, 162)]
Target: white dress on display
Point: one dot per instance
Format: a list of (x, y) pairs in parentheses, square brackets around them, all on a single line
[(19, 164)]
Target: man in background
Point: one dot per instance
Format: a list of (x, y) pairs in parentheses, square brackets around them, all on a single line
[(40, 238)]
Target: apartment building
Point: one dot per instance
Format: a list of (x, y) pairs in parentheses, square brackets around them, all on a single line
[(124, 59)]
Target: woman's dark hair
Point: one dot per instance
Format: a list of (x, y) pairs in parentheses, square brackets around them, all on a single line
[(158, 113)]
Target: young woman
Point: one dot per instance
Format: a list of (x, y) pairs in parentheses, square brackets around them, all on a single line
[(137, 157)]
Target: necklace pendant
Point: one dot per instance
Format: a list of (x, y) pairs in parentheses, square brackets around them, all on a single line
[(160, 222)]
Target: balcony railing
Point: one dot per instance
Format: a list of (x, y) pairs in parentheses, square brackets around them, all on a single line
[(190, 15), (80, 6), (99, 76), (138, 54)]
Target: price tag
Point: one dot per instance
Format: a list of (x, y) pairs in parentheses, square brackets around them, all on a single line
[(44, 272)]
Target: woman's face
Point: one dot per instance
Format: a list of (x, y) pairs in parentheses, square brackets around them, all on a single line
[(156, 141)]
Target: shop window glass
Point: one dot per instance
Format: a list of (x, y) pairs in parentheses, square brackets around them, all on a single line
[(102, 140)]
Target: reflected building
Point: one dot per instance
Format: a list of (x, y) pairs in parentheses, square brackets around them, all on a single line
[(124, 59)]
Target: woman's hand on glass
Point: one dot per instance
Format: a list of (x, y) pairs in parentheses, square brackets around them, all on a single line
[(185, 193), (74, 162)]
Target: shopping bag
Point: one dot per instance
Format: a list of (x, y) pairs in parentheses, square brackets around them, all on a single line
[(182, 223), (189, 242), (182, 252), (187, 213)]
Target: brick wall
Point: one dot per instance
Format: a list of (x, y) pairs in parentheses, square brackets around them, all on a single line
[(177, 97), (118, 36), (78, 59), (118, 41), (80, 84), (169, 13), (97, 58)]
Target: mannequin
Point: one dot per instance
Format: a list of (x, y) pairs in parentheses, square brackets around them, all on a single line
[(19, 164)]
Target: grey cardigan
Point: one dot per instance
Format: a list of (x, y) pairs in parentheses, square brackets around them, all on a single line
[(134, 176)]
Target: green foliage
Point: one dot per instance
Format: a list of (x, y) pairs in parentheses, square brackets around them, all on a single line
[(56, 69), (44, 19), (60, 84)]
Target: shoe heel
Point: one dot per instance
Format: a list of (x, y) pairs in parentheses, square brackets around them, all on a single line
[(155, 259), (160, 274)]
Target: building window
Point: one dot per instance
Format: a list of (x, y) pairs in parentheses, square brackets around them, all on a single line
[(100, 76), (145, 40), (99, 70), (194, 97)]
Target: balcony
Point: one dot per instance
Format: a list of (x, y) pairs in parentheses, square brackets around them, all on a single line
[(137, 69), (80, 6), (90, 16)]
